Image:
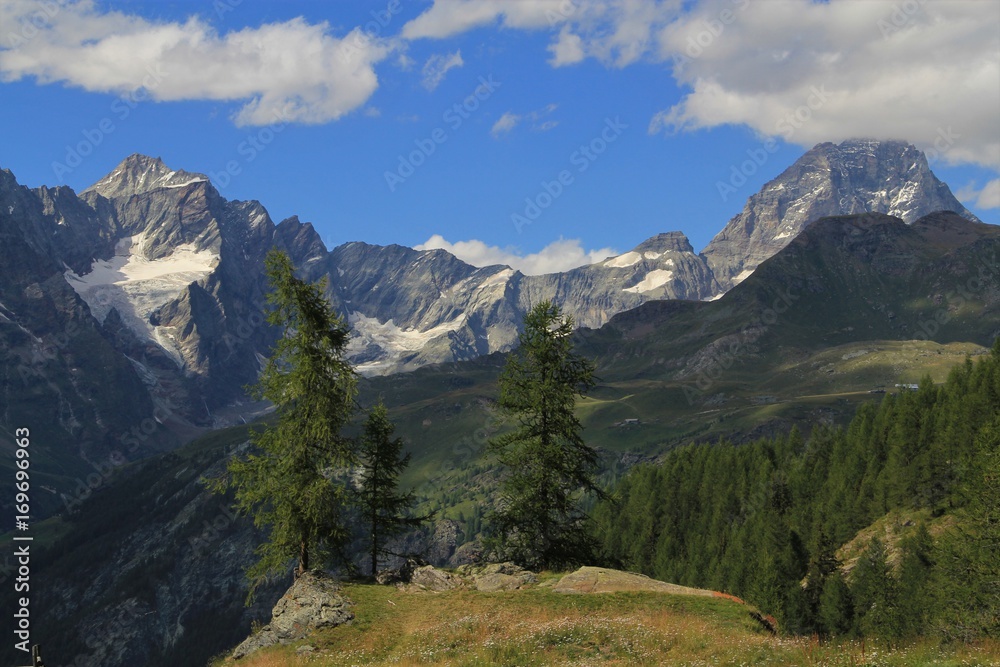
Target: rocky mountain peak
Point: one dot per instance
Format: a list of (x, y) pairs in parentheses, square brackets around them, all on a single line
[(666, 242), (139, 174), (854, 177)]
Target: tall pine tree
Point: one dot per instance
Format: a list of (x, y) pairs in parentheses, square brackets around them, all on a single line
[(538, 521), (875, 593), (384, 508), (285, 483), (968, 555)]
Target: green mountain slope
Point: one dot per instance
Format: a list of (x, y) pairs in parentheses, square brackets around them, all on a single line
[(854, 303)]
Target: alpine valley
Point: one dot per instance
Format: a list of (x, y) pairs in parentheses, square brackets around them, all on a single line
[(131, 321)]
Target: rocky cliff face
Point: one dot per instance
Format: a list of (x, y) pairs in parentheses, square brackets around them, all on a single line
[(60, 373), (856, 176), (662, 267), (409, 308)]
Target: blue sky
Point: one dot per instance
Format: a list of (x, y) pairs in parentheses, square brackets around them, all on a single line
[(642, 107)]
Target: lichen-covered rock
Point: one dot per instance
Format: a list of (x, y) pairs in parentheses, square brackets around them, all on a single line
[(489, 583), (432, 579), (498, 576), (314, 601)]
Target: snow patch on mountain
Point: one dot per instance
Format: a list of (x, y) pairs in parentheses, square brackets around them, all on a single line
[(186, 183), (654, 279), (498, 278), (622, 261), (391, 339), (136, 286)]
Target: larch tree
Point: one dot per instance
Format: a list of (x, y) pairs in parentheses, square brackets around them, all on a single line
[(537, 520), (287, 482), (384, 507)]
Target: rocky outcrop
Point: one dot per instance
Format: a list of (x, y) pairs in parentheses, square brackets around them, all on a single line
[(401, 574), (429, 578), (416, 576), (313, 602), (498, 577)]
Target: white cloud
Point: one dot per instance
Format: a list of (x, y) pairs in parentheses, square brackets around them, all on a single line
[(617, 32), (811, 72), (294, 71), (567, 49), (510, 120), (405, 62), (437, 67), (990, 195), (451, 17), (805, 70), (985, 198), (507, 122), (561, 255)]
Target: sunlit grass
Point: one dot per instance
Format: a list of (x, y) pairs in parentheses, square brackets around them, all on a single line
[(540, 627)]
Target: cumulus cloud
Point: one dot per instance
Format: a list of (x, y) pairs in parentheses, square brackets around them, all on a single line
[(985, 198), (451, 17), (816, 72), (567, 49), (805, 70), (621, 32), (437, 67), (617, 32), (561, 255), (292, 71)]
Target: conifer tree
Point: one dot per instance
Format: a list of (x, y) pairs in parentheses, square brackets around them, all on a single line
[(836, 608), (968, 557), (822, 565), (874, 592), (384, 507), (915, 568), (285, 483), (538, 521)]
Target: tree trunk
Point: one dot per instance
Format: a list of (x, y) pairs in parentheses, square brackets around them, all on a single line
[(303, 559), (374, 542)]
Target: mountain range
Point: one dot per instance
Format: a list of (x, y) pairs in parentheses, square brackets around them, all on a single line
[(148, 566), (131, 314)]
